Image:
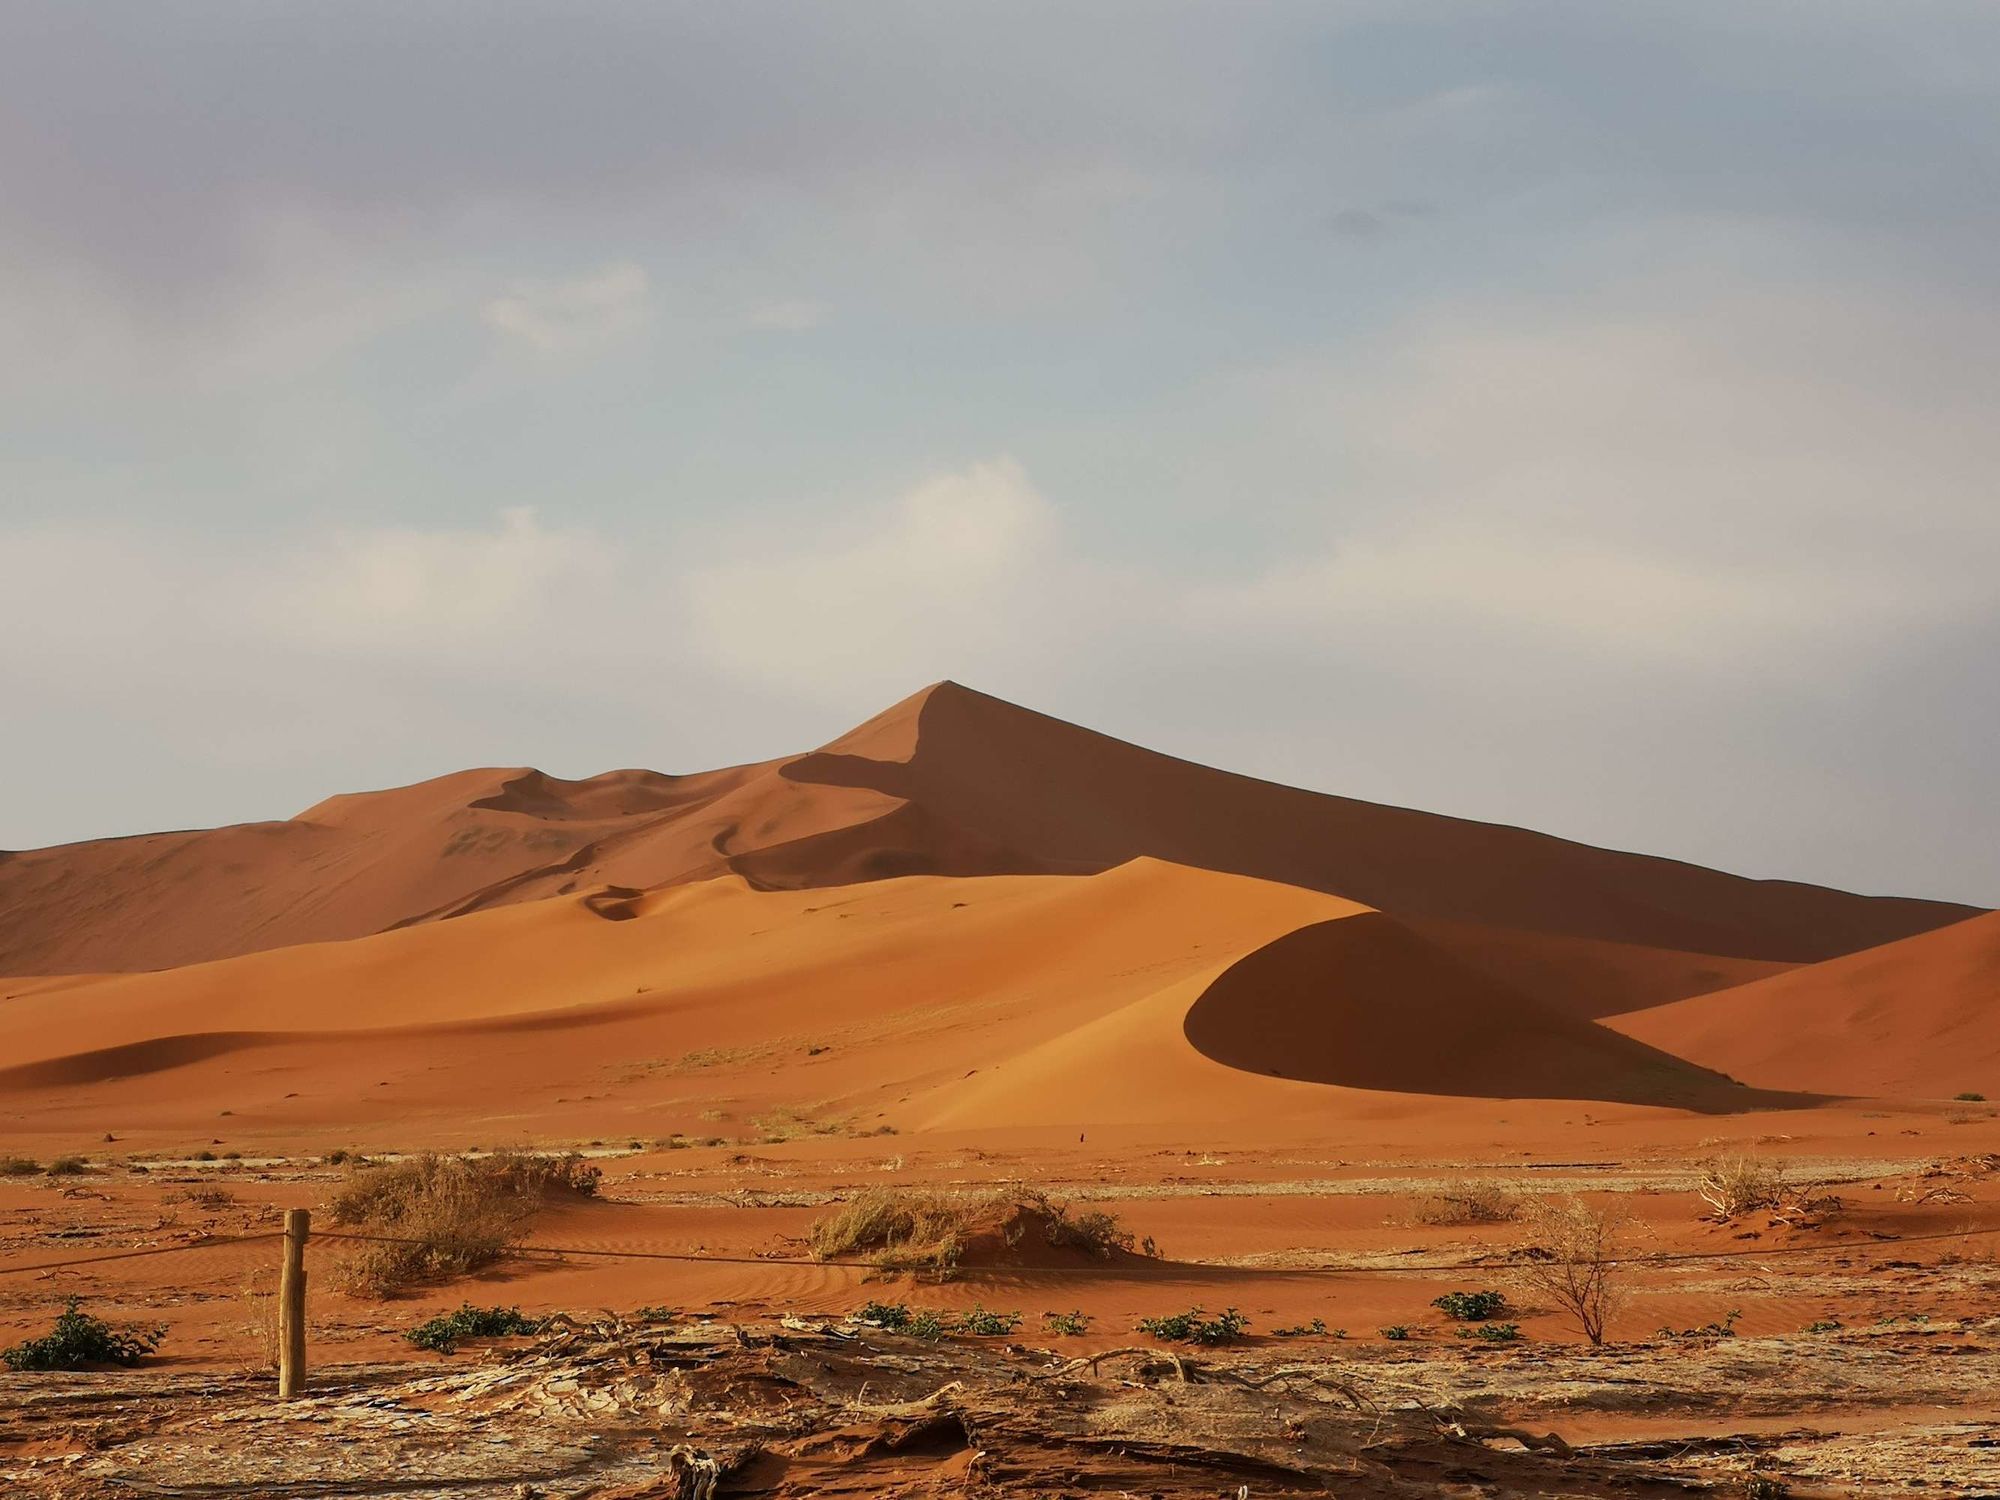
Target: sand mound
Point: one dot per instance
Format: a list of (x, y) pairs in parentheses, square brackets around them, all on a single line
[(1364, 1003), (948, 782), (1917, 1017)]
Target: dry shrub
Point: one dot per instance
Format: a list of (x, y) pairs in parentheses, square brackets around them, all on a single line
[(1466, 1200), (213, 1199), (1093, 1231), (260, 1318), (1571, 1258), (447, 1215), (1734, 1186), (902, 1229)]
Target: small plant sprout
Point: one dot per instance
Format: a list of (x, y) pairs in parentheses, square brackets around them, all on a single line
[(1191, 1327)]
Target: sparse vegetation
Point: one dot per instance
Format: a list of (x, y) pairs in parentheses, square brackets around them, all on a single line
[(78, 1341), (1191, 1327), (19, 1166), (1069, 1324), (1470, 1307), (1093, 1231), (1734, 1186), (1969, 1097), (1726, 1329), (1492, 1333), (1466, 1200), (447, 1215), (1572, 1258), (985, 1324), (68, 1166), (208, 1198), (1824, 1325), (909, 1229), (1396, 1333), (1315, 1328), (443, 1334)]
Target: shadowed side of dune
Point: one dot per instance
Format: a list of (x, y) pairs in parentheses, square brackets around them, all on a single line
[(1364, 1003), (132, 1059)]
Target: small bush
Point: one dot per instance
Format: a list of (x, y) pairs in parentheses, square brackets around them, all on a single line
[(894, 1316), (1824, 1325), (1070, 1324), (68, 1166), (449, 1214), (442, 1334), (1572, 1257), (1969, 1097), (1495, 1333), (208, 1198), (19, 1166), (1191, 1327), (1466, 1200), (1470, 1307), (79, 1341), (655, 1314), (986, 1324), (1093, 1231), (898, 1228), (1301, 1330), (925, 1325), (1726, 1329), (1396, 1333)]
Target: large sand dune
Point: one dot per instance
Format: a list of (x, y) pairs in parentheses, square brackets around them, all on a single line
[(1916, 1017), (948, 782)]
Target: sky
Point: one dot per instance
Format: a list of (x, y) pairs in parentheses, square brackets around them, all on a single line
[(1570, 415)]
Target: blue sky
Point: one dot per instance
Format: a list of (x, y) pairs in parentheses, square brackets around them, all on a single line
[(1569, 415)]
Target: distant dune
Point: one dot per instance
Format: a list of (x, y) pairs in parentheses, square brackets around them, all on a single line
[(1917, 1017), (960, 915), (947, 782)]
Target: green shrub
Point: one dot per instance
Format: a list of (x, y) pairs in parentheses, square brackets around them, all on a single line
[(1396, 1332), (442, 1334), (1191, 1327), (986, 1324), (1470, 1307), (79, 1341), (1315, 1327), (19, 1166), (1070, 1324), (1494, 1333), (925, 1325), (894, 1316), (1824, 1325), (68, 1166), (657, 1314)]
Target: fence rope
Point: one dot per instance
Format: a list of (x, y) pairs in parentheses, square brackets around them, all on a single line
[(1489, 1263), (207, 1242)]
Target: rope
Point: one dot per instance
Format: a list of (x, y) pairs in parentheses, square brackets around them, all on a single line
[(687, 1258), (207, 1242), (1485, 1264)]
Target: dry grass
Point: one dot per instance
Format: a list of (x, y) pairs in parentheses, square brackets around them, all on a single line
[(1734, 1186), (1466, 1200), (448, 1215), (901, 1229), (1093, 1231)]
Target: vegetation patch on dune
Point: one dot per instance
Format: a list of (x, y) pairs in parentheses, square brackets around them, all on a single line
[(930, 1230), (78, 1341), (444, 1216)]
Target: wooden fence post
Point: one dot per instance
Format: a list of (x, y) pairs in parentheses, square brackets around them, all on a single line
[(292, 1306)]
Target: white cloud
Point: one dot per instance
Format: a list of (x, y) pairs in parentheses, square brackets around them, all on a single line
[(425, 588), (932, 585), (566, 316)]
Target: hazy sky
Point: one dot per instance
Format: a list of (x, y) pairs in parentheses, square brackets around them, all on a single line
[(1584, 416)]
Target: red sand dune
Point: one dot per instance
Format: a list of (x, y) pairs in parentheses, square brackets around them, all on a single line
[(1918, 1017), (948, 782)]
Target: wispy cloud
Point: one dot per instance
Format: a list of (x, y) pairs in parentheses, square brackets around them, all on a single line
[(585, 312)]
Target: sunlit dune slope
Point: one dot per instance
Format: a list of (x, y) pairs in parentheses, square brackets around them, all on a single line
[(914, 1001), (1916, 1017), (948, 782)]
